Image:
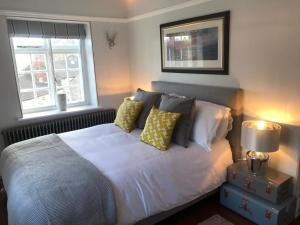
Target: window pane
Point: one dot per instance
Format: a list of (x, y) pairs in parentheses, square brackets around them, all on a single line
[(65, 43), (23, 43), (74, 78), (27, 99), (41, 79), (25, 81), (73, 61), (59, 61), (38, 61), (75, 94), (43, 98), (23, 62), (61, 78), (26, 96)]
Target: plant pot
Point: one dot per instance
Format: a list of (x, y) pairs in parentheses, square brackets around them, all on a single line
[(62, 102)]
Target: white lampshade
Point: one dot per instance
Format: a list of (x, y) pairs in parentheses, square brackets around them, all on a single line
[(260, 136)]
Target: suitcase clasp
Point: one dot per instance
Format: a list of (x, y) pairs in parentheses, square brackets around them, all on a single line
[(244, 205), (269, 188), (268, 214), (248, 184), (234, 175)]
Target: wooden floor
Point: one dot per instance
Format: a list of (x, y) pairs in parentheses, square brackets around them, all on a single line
[(190, 216), (205, 209)]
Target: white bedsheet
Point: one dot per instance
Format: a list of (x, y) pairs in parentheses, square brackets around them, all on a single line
[(147, 181)]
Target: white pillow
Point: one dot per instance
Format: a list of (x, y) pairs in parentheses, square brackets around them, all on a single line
[(212, 122)]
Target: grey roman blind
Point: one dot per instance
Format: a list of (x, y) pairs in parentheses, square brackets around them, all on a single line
[(23, 28)]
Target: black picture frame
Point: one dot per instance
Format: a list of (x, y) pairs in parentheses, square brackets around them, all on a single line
[(210, 52)]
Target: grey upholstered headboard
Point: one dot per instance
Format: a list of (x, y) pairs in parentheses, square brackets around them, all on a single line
[(230, 97)]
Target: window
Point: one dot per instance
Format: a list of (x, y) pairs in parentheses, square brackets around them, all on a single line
[(50, 58), (45, 67)]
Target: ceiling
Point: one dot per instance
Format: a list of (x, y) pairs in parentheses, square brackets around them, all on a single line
[(137, 7), (94, 8)]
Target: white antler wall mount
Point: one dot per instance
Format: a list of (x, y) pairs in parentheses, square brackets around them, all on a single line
[(111, 39)]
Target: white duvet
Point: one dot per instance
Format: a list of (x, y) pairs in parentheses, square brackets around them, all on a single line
[(147, 181)]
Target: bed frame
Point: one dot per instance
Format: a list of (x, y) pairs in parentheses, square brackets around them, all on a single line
[(230, 97)]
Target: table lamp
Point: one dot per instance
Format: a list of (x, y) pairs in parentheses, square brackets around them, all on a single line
[(259, 137)]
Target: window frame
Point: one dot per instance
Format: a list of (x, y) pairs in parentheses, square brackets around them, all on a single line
[(48, 51)]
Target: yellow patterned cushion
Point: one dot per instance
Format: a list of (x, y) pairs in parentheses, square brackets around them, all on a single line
[(159, 128), (127, 114)]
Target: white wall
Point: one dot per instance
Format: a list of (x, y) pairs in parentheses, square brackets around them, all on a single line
[(111, 70), (9, 100), (111, 65), (264, 60)]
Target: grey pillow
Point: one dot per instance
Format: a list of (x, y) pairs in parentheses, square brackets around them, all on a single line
[(183, 126), (150, 99)]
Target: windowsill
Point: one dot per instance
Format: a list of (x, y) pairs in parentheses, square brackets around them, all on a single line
[(54, 114)]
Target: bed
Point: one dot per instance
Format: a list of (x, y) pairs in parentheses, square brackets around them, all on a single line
[(148, 184)]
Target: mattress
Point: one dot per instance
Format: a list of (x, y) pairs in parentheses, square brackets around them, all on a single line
[(147, 181)]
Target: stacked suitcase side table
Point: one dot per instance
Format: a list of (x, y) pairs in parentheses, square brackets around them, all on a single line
[(266, 199)]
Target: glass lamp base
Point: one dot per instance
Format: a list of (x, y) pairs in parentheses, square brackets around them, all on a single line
[(257, 162)]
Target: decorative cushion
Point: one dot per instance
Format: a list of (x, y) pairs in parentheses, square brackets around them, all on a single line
[(127, 114), (159, 128), (184, 106), (150, 99)]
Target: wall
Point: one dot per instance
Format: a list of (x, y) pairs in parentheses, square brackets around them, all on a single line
[(9, 100), (111, 65), (111, 70), (264, 61)]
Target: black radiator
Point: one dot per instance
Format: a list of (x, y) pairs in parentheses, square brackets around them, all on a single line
[(65, 124)]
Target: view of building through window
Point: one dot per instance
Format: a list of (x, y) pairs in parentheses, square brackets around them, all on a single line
[(46, 67)]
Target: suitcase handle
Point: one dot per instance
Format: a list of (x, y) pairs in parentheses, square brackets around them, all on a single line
[(244, 205)]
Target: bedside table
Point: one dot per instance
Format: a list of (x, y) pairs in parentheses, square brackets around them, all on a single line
[(265, 199)]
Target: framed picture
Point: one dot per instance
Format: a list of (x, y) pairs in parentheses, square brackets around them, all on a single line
[(196, 45)]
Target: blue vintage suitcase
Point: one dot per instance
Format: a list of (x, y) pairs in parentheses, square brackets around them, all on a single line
[(273, 186), (255, 209)]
